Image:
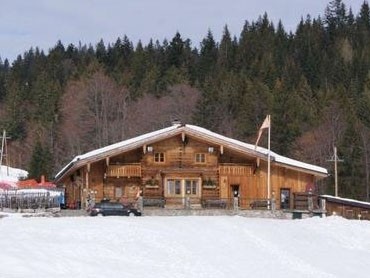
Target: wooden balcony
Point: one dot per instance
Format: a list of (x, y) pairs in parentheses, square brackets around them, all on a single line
[(235, 170), (120, 171)]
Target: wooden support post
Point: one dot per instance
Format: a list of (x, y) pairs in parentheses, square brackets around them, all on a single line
[(85, 190)]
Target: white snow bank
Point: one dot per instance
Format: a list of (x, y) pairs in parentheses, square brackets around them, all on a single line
[(191, 246)]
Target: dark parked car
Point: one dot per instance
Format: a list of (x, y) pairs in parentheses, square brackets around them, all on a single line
[(108, 208)]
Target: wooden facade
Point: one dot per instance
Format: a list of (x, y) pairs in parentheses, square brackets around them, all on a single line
[(347, 208), (184, 162)]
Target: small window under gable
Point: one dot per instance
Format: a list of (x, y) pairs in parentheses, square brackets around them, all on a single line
[(159, 157), (200, 158)]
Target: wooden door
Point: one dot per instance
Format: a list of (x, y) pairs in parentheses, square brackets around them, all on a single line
[(224, 187)]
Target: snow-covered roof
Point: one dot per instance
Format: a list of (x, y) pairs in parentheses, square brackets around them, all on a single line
[(11, 174), (119, 146), (274, 156), (197, 131), (345, 200)]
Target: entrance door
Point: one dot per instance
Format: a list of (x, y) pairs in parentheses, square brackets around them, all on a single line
[(181, 188), (235, 190), (284, 198)]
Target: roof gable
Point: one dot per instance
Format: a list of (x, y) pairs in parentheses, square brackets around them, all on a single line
[(190, 130)]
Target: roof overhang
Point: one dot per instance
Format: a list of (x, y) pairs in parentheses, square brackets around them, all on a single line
[(345, 201), (192, 131)]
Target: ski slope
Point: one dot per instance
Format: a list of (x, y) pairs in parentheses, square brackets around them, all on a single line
[(188, 246)]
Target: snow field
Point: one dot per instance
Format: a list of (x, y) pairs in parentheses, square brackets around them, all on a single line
[(189, 246)]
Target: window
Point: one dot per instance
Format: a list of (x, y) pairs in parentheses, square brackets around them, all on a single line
[(191, 187), (284, 198), (174, 187), (159, 157), (200, 158), (183, 187), (119, 192)]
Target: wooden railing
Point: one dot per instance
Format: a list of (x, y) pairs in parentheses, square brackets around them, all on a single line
[(235, 170), (131, 170)]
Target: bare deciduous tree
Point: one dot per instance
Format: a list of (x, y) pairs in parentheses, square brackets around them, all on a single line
[(94, 114), (150, 113)]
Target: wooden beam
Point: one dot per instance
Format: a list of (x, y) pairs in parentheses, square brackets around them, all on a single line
[(221, 149), (107, 161), (183, 136), (144, 149), (86, 189)]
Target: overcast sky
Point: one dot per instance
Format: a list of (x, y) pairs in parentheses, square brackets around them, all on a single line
[(41, 23)]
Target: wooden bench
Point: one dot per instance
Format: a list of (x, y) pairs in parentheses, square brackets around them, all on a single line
[(214, 203), (154, 202), (259, 204)]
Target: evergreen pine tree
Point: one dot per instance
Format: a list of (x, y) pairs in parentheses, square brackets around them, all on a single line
[(41, 162)]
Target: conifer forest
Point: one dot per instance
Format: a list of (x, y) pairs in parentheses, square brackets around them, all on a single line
[(313, 81)]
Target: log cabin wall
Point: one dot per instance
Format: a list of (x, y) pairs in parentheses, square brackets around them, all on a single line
[(238, 172), (92, 183), (252, 182), (285, 179), (133, 156), (179, 158), (178, 155), (347, 210), (96, 180), (121, 175), (73, 187), (254, 185), (217, 169)]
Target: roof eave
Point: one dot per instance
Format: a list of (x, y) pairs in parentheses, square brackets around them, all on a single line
[(78, 162)]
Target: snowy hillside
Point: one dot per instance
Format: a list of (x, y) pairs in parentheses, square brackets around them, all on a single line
[(219, 246)]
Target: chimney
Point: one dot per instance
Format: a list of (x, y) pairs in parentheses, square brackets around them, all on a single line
[(42, 179), (176, 122)]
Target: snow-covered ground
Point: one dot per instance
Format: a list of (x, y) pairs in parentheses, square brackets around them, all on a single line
[(188, 246)]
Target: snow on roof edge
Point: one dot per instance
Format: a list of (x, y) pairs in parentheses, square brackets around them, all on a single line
[(116, 145), (345, 199), (276, 157)]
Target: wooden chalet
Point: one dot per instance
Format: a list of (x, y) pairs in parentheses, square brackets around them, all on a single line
[(347, 208), (185, 163)]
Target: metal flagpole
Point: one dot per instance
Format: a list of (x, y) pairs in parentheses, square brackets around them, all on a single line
[(269, 165)]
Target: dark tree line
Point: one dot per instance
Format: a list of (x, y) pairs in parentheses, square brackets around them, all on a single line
[(314, 82)]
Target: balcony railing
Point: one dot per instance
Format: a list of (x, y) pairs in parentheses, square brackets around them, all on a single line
[(235, 170), (118, 171)]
